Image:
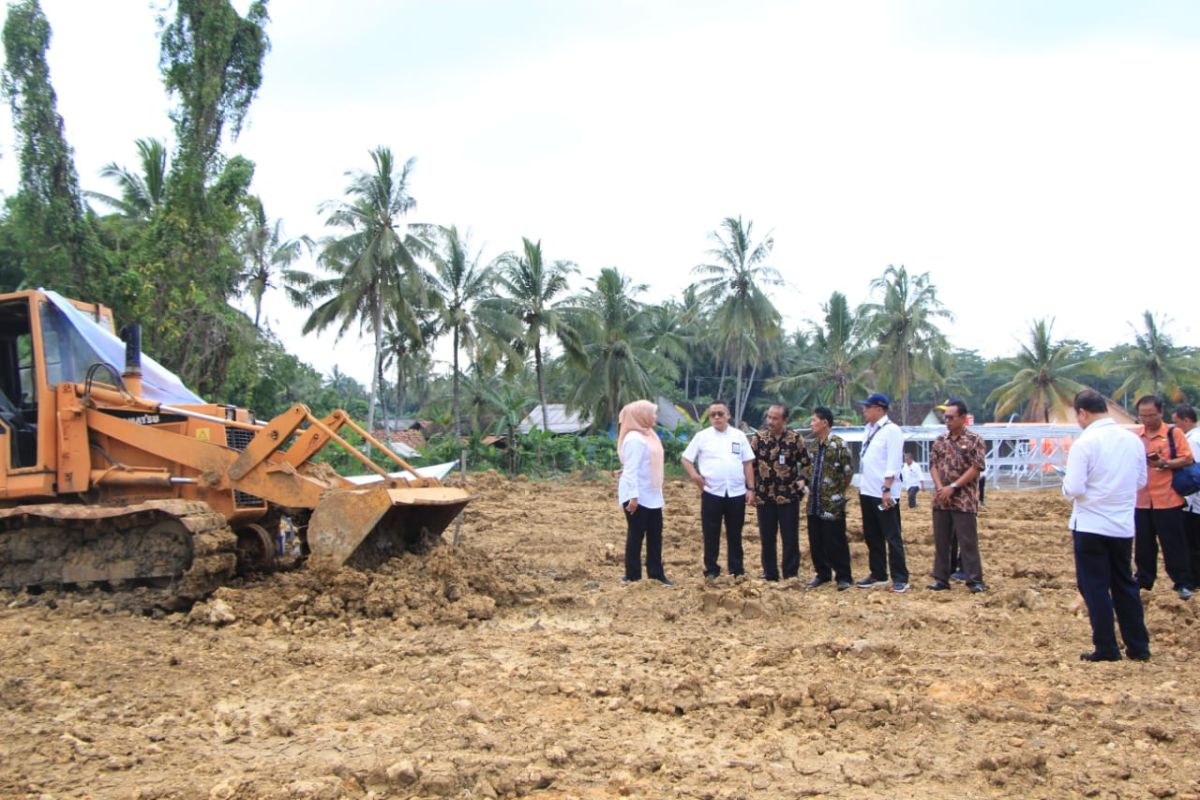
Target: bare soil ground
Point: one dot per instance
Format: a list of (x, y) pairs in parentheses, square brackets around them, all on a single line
[(518, 665)]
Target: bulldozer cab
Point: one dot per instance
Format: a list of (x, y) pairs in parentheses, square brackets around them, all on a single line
[(39, 348)]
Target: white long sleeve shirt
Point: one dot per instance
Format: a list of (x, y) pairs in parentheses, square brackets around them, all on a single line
[(635, 479), (910, 475), (881, 457), (1105, 469), (718, 456), (1193, 500)]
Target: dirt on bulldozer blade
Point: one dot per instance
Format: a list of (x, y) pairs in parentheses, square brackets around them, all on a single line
[(518, 664)]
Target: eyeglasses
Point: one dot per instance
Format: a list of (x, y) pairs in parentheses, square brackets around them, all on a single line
[(717, 414)]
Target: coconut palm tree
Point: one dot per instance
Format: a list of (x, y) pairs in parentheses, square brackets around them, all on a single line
[(374, 262), (618, 348), (464, 288), (528, 286), (269, 256), (732, 285), (1153, 364), (1042, 378), (834, 364), (141, 193), (903, 326)]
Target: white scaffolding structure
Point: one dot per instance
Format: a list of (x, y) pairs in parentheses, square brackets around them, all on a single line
[(1019, 455)]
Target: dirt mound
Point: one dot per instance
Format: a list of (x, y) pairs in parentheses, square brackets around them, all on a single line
[(446, 585)]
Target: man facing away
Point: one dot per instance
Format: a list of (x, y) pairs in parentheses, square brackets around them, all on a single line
[(880, 464), (1185, 418), (719, 460), (781, 459), (832, 468), (1159, 515), (1106, 468), (910, 477), (955, 464)]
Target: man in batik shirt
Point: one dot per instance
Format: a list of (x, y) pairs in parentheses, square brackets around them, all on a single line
[(781, 459), (955, 464), (832, 469)]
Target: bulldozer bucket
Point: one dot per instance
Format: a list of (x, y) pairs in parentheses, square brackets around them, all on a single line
[(362, 528)]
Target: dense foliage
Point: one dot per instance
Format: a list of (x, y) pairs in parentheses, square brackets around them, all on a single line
[(183, 232)]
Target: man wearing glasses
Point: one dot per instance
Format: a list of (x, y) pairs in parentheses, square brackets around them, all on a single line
[(1158, 517), (880, 465), (955, 464), (725, 476)]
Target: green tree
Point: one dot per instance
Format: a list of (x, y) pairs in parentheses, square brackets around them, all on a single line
[(268, 256), (1042, 378), (618, 347), (834, 366), (374, 263), (59, 246), (528, 287), (903, 326), (732, 285), (142, 193), (1153, 364)]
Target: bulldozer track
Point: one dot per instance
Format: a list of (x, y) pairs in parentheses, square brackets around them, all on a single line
[(181, 549)]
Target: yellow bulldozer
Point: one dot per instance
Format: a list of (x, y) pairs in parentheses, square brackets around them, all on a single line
[(123, 477)]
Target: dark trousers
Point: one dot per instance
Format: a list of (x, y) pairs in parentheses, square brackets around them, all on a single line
[(713, 511), (1154, 526), (1107, 585), (912, 496), (644, 523), (961, 528), (784, 518), (1191, 535), (885, 547), (829, 548)]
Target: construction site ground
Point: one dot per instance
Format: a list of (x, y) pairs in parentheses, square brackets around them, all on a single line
[(519, 665)]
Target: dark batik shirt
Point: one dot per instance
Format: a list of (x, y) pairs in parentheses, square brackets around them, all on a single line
[(949, 459), (779, 462), (833, 467)]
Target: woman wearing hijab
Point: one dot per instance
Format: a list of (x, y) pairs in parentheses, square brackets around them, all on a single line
[(640, 490)]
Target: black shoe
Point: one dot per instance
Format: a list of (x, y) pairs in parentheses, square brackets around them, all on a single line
[(712, 576), (665, 581), (630, 580), (762, 576), (938, 586), (959, 576), (843, 585), (1098, 656), (1139, 656), (976, 587), (817, 581)]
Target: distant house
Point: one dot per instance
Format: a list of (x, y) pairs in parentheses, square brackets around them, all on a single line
[(671, 416), (558, 420)]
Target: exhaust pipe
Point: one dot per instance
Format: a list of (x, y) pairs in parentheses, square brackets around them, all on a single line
[(131, 334)]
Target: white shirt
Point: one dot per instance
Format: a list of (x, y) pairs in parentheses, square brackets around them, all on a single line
[(910, 475), (1192, 501), (635, 473), (1105, 469), (718, 456), (881, 457)]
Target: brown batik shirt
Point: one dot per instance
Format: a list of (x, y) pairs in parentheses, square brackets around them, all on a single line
[(779, 462), (949, 459)]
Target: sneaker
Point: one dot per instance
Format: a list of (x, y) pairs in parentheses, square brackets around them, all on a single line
[(667, 582), (976, 587), (843, 585), (938, 586), (1184, 593), (870, 582), (817, 581), (900, 587), (959, 576)]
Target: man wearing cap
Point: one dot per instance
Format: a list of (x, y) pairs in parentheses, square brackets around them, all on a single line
[(719, 460), (955, 464), (879, 463)]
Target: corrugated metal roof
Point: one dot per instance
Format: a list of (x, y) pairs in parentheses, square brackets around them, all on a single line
[(559, 420)]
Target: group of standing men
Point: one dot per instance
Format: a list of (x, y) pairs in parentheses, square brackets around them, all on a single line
[(774, 470)]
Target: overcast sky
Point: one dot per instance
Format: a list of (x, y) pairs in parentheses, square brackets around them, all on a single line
[(1037, 159)]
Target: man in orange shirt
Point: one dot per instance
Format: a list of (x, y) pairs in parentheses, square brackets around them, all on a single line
[(1158, 517)]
